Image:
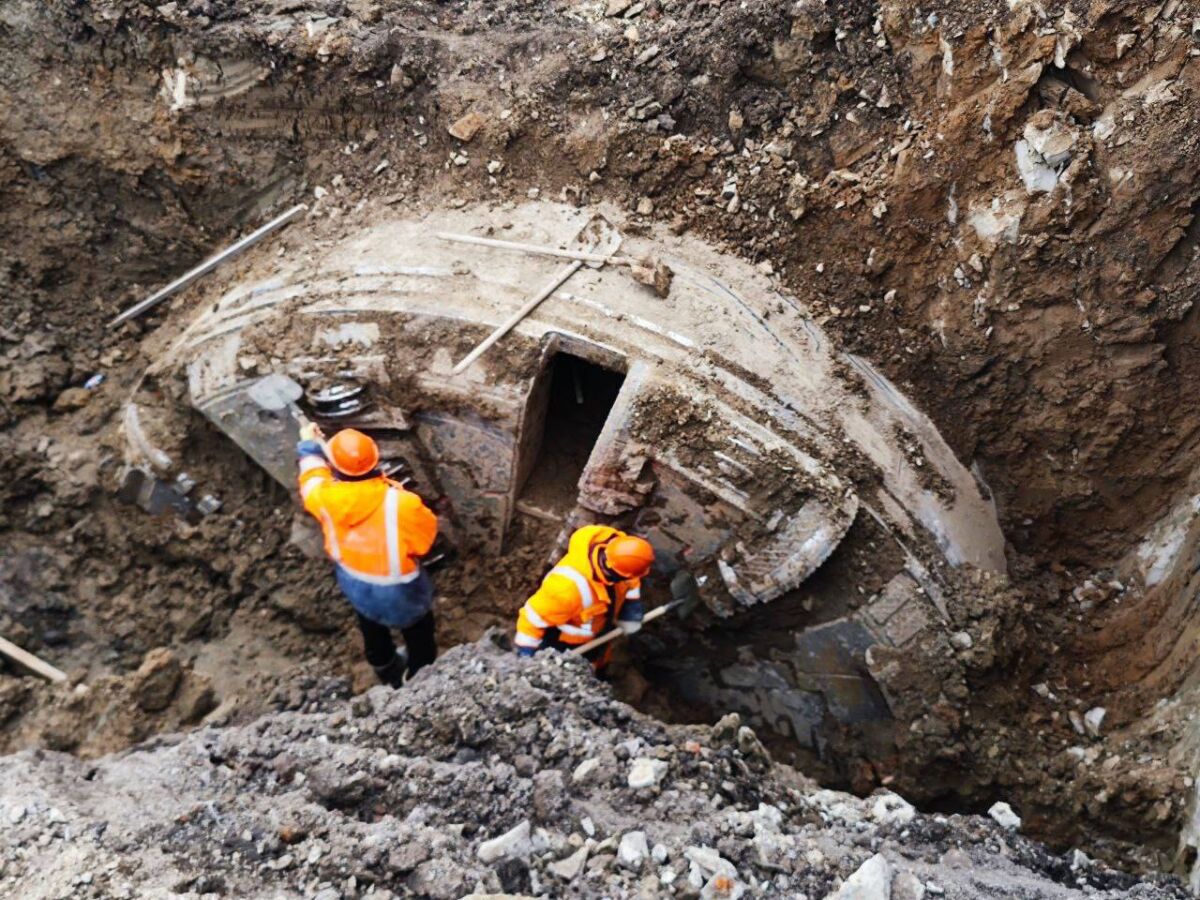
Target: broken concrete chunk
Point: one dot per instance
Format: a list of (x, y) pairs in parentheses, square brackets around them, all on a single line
[(871, 881), (1004, 816), (892, 809), (567, 869), (646, 773), (907, 886), (513, 844), (633, 850)]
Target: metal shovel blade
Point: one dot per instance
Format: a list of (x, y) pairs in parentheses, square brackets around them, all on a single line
[(600, 237), (275, 392)]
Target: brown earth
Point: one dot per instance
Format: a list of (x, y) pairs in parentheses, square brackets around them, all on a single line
[(862, 153)]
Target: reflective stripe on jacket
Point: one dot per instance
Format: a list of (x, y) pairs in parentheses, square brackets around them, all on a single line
[(574, 597), (374, 529)]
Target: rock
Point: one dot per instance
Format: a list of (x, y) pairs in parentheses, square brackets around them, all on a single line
[(660, 853), (907, 886), (646, 773), (892, 809), (617, 7), (567, 869), (584, 770), (1004, 816), (549, 794), (736, 120), (73, 398), (633, 850), (513, 844), (871, 881), (1093, 719), (645, 206), (157, 679), (16, 814), (960, 640), (466, 127)]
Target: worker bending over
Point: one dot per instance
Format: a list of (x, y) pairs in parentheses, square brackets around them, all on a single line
[(376, 533), (594, 588)]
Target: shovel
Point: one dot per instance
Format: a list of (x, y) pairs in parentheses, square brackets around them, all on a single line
[(276, 392), (601, 240), (686, 594)]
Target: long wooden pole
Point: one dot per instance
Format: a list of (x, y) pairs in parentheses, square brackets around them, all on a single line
[(31, 662), (536, 249), (207, 266), (512, 321), (617, 632)]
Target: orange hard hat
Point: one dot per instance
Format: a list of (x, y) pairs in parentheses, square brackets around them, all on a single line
[(353, 453), (629, 556)]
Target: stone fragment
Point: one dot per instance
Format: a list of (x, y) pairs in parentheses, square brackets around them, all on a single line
[(907, 886), (1093, 719), (466, 127), (960, 640), (513, 844), (157, 679), (645, 772), (585, 769), (892, 809), (72, 398), (1004, 816), (633, 850), (567, 869), (871, 881)]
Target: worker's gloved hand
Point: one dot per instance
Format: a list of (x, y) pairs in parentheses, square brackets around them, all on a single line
[(525, 651), (310, 431), (630, 621)]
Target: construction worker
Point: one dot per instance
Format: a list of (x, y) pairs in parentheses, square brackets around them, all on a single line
[(597, 586), (376, 533)]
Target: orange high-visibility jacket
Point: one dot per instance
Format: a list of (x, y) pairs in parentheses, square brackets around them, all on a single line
[(574, 597), (374, 529)]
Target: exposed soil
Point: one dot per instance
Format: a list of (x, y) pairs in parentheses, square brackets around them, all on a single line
[(863, 154)]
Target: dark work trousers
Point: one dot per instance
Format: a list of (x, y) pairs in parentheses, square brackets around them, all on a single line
[(380, 648)]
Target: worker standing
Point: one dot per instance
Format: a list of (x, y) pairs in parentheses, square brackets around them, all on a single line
[(596, 587), (376, 533)]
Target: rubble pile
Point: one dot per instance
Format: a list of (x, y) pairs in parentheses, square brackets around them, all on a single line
[(491, 774)]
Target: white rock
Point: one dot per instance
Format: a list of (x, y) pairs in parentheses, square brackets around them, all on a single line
[(709, 862), (645, 772), (892, 809), (960, 640), (16, 814), (660, 853), (1004, 816), (584, 769), (633, 850), (567, 869), (514, 843), (1093, 719), (872, 881), (907, 886)]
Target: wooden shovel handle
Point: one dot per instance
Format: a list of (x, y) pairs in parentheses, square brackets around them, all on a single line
[(617, 632)]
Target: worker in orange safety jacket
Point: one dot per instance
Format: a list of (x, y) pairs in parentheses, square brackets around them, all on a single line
[(376, 533), (597, 586)]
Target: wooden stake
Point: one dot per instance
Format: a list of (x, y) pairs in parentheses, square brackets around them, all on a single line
[(31, 662), (512, 321)]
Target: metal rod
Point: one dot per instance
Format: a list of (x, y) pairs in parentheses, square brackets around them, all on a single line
[(31, 662), (537, 249), (208, 265), (511, 322)]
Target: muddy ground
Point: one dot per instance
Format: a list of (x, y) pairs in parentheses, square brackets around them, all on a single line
[(863, 153)]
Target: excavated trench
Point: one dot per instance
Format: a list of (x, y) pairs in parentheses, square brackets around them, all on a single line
[(899, 177)]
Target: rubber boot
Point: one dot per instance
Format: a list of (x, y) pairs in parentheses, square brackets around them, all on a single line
[(394, 674)]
